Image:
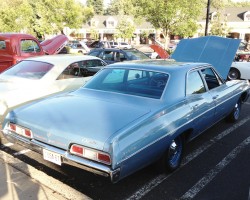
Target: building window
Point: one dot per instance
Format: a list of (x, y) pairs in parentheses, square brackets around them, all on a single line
[(110, 24), (247, 16), (93, 23)]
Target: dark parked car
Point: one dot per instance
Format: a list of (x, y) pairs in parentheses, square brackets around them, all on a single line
[(112, 55)]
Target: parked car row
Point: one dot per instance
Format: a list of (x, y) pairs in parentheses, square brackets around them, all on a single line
[(130, 114), (112, 55)]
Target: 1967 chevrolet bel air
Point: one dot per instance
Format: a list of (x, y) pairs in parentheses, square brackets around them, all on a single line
[(129, 115)]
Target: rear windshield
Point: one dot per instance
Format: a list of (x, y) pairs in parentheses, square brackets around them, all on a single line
[(136, 55), (2, 44), (29, 69), (130, 81)]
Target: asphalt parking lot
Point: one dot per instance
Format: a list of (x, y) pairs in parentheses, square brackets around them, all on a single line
[(216, 166)]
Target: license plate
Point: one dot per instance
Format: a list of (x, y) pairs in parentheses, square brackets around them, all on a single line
[(52, 157), (19, 130)]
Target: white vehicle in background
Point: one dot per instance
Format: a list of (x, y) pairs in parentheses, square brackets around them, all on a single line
[(38, 77), (121, 45), (79, 47), (239, 70)]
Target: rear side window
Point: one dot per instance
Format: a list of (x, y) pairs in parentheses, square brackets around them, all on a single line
[(29, 46), (94, 53), (29, 69), (2, 44), (195, 84)]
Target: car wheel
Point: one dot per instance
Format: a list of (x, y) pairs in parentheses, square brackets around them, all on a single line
[(171, 160), (233, 74), (235, 114)]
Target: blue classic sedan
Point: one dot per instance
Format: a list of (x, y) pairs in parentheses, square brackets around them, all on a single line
[(133, 114), (128, 116)]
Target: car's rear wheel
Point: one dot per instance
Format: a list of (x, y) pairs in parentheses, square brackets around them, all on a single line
[(173, 155), (233, 74), (235, 114)]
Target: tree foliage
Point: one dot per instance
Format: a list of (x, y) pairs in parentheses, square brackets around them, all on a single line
[(120, 7), (218, 24), (14, 15), (42, 17), (177, 17), (125, 29), (97, 5)]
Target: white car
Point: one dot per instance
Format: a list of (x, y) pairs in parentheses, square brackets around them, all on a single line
[(38, 77), (239, 70)]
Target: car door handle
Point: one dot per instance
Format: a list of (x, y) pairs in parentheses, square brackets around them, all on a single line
[(215, 97), (195, 106)]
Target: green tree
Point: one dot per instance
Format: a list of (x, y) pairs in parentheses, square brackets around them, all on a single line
[(97, 5), (177, 17), (218, 23), (51, 16), (94, 34), (125, 30), (120, 7), (14, 15)]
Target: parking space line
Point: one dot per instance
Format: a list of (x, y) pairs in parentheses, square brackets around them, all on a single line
[(191, 193), (159, 179), (22, 152), (7, 144)]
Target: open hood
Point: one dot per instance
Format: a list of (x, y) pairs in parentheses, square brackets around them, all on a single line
[(217, 51), (54, 45)]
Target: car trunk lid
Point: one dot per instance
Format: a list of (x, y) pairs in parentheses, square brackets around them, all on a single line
[(92, 124)]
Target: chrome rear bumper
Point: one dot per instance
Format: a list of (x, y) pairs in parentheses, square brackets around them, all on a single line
[(66, 157)]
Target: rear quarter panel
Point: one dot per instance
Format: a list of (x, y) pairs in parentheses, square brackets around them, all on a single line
[(147, 140)]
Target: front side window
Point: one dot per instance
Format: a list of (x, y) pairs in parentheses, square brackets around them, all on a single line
[(129, 81), (29, 46), (29, 69), (195, 84)]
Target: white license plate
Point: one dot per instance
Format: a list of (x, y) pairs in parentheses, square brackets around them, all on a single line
[(20, 131), (52, 157)]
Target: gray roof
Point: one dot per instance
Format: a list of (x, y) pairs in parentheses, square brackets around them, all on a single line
[(233, 14), (102, 19)]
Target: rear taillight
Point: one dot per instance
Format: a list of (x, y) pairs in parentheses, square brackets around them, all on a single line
[(20, 130), (90, 154)]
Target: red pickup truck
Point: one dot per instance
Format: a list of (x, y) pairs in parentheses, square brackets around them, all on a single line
[(16, 46)]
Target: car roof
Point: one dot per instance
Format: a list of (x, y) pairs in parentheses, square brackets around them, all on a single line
[(114, 49), (158, 65), (62, 58)]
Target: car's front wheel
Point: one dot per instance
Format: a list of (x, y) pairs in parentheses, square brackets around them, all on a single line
[(235, 114), (233, 74), (173, 155)]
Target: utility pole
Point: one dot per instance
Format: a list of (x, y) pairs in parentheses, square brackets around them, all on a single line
[(207, 18)]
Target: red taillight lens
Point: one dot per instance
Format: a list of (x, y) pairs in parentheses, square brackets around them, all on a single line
[(12, 127), (90, 154), (104, 158), (20, 130), (77, 150)]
